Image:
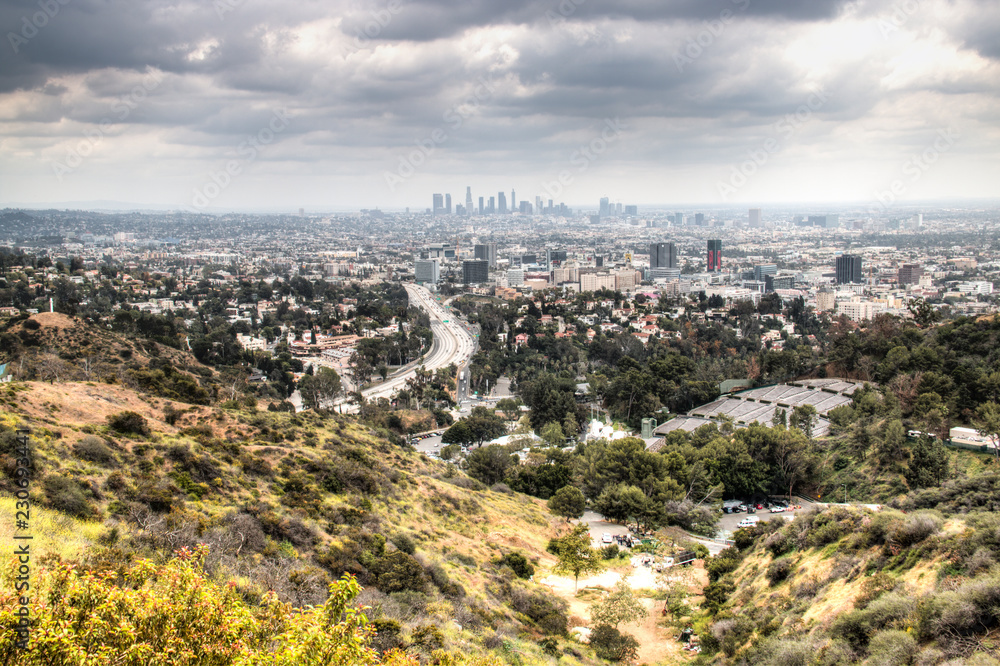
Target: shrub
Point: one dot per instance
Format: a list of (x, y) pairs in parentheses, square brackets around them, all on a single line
[(610, 552), (404, 542), (398, 572), (723, 563), (916, 528), (518, 563), (613, 645), (67, 495), (129, 423), (387, 635), (891, 648), (779, 570), (886, 612), (779, 543), (93, 449), (873, 587), (550, 646)]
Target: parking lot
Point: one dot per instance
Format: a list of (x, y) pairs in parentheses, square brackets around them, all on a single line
[(729, 522)]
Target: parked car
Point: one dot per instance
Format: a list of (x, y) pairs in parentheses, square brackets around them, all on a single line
[(606, 538), (777, 509), (742, 508), (749, 521)]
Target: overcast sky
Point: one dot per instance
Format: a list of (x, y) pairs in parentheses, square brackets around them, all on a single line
[(237, 104)]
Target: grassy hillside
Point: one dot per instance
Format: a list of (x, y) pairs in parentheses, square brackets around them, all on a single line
[(284, 503), (847, 586)]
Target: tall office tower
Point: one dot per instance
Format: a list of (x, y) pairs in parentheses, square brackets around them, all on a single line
[(468, 200), (755, 217), (538, 205), (662, 255), (486, 252), (438, 204), (493, 205), (699, 219), (525, 208), (502, 202), (910, 274), (760, 271), (618, 209), (715, 255), (475, 272), (554, 257), (427, 271), (605, 207), (632, 210), (849, 269), (550, 208), (482, 211), (447, 203), (513, 201), (679, 219)]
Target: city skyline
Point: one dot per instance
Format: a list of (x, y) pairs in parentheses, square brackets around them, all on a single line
[(261, 106)]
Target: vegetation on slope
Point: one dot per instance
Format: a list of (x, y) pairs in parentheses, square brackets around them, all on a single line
[(846, 586)]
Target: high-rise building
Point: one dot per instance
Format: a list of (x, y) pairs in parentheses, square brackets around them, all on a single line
[(605, 207), (468, 200), (447, 204), (438, 204), (774, 282), (493, 206), (715, 255), (618, 209), (826, 300), (481, 210), (513, 201), (824, 221), (755, 217), (699, 219), (678, 218), (849, 269), (662, 255), (487, 252), (525, 208), (476, 271), (502, 202), (632, 210), (762, 270), (910, 274), (538, 205), (553, 257), (427, 271)]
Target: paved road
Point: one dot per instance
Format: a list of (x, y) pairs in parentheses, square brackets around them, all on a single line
[(453, 343)]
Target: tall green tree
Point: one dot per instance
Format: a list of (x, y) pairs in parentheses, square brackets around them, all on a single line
[(576, 555), (568, 502)]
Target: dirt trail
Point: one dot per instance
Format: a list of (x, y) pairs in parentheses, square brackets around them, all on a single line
[(656, 644)]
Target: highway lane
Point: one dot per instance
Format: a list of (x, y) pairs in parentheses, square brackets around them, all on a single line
[(452, 344)]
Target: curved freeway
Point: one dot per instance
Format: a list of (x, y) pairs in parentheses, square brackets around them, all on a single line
[(453, 343)]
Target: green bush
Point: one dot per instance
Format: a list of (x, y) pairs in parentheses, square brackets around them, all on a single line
[(887, 612), (129, 423), (873, 587), (779, 570), (892, 648), (610, 552), (67, 495), (518, 563), (94, 449), (613, 645), (723, 563), (404, 542)]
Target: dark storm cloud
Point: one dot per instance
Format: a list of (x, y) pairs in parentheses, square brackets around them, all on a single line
[(423, 20)]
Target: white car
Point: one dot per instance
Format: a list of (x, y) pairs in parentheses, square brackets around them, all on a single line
[(606, 537), (749, 521), (777, 509)]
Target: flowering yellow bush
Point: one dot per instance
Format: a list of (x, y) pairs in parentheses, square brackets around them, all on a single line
[(173, 615)]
